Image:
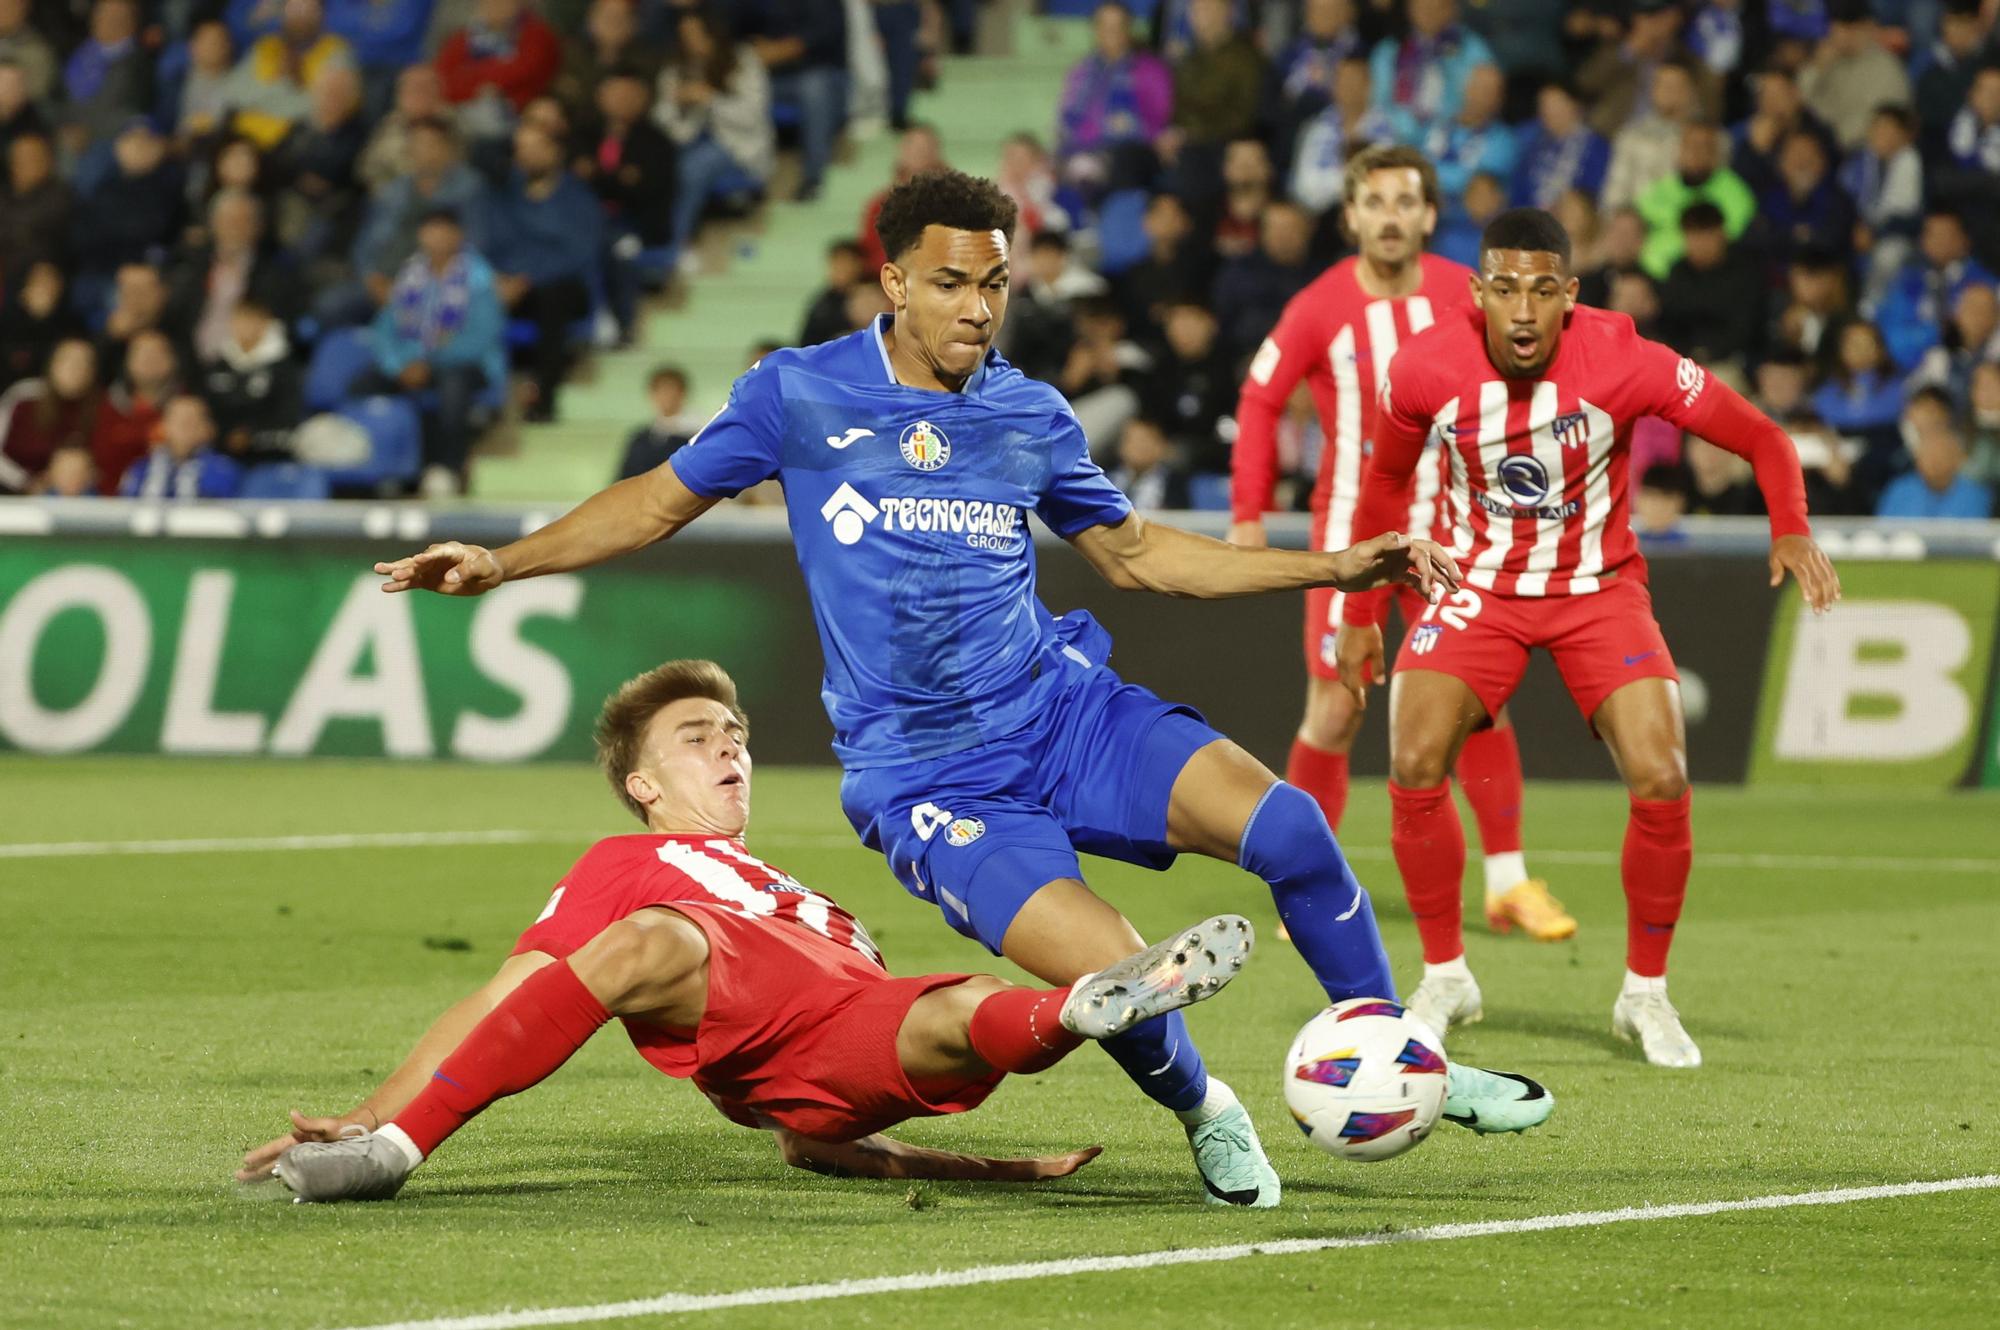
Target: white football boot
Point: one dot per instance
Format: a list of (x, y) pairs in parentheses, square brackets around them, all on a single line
[(1448, 995), (1647, 1017)]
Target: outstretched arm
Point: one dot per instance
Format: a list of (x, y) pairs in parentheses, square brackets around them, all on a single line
[(629, 515), (881, 1157), (1725, 419), (1138, 555), (394, 1094)]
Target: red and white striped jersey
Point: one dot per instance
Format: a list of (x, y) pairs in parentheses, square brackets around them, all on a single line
[(622, 875), (1540, 491), (1341, 340)]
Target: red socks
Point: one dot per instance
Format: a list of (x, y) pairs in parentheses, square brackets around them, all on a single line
[(1321, 774), (1489, 771), (1659, 846), (1430, 853), (534, 1030), (1021, 1029)]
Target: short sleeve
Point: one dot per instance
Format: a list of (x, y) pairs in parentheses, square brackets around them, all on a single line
[(1079, 494), (1402, 409), (740, 447)]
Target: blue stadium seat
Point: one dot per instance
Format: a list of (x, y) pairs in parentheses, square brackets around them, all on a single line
[(286, 480), (396, 433), (1208, 492), (1121, 230), (340, 358)]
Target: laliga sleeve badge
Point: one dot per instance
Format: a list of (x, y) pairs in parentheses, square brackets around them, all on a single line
[(925, 447)]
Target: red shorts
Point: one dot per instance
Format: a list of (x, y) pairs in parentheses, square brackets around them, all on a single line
[(1323, 605), (800, 1032), (1600, 642)]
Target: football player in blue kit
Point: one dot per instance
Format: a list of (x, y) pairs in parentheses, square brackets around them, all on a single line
[(985, 742)]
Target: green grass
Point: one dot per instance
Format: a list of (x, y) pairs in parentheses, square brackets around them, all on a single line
[(159, 1013)]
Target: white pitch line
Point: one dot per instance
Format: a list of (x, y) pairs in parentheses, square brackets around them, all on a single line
[(360, 840), (676, 1304), (369, 840)]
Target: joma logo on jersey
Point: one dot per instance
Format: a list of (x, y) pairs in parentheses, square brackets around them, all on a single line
[(925, 447)]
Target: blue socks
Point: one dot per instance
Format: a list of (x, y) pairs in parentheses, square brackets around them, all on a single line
[(1161, 1060), (1288, 843)]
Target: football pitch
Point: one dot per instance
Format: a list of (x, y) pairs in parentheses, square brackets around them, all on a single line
[(192, 947)]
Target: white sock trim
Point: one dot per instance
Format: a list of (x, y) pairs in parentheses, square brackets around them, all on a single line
[(1455, 968), (1505, 871), (1639, 983), (390, 1132), (1219, 1100)]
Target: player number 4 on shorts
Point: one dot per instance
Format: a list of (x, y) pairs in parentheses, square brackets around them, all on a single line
[(925, 819)]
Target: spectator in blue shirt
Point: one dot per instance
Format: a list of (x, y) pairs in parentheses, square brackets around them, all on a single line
[(1476, 141), (438, 178), (1936, 486), (1804, 208), (439, 335), (803, 44), (184, 463), (1303, 73), (1558, 152), (107, 78), (1973, 140), (544, 227), (1424, 73), (1885, 178), (1913, 311), (384, 34), (1864, 396)]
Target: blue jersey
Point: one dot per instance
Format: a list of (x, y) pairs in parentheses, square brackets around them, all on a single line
[(909, 510)]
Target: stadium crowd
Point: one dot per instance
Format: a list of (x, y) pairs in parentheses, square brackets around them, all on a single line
[(202, 195), (221, 217), (1800, 193)]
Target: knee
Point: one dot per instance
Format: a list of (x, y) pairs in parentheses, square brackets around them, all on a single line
[(1419, 766), (939, 1024), (1662, 781), (1331, 721), (634, 959), (1284, 833)]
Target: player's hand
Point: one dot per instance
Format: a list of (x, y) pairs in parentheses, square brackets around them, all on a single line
[(257, 1164), (1394, 559), (450, 569), (1250, 535), (1357, 655), (1806, 561)]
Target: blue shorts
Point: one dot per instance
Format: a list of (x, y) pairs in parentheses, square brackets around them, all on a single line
[(980, 831)]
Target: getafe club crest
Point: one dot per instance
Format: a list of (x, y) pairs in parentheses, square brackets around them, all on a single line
[(964, 831), (925, 447)]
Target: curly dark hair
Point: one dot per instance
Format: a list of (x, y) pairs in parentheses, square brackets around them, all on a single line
[(1529, 229), (945, 198)]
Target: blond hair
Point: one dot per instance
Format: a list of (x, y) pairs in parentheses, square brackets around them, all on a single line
[(621, 725)]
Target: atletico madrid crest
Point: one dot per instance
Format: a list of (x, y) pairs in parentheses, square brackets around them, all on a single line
[(1571, 431)]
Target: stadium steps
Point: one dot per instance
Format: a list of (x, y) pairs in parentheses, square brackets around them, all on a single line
[(758, 275)]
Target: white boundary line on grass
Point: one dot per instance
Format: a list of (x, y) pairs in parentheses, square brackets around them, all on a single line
[(673, 1304), (371, 840)]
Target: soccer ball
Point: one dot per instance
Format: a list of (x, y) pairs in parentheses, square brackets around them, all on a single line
[(1365, 1079)]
